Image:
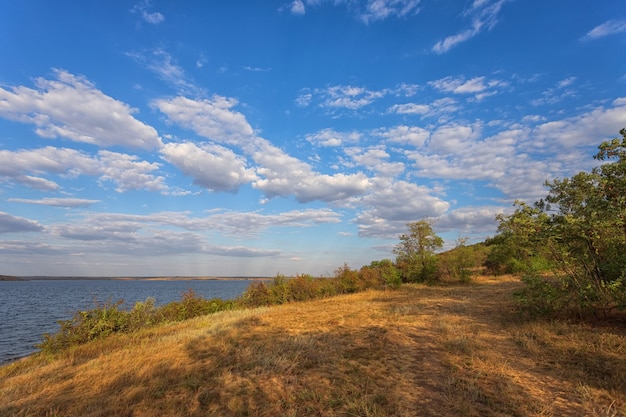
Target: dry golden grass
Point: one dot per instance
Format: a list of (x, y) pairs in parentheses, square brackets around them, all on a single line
[(419, 351)]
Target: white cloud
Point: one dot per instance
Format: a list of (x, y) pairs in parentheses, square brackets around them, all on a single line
[(254, 223), (610, 27), (437, 107), (483, 14), (211, 118), (232, 223), (406, 135), (11, 224), (48, 159), (256, 69), (57, 202), (456, 152), (366, 11), (37, 183), (583, 130), (479, 86), (297, 7), (393, 204), (349, 97), (212, 166), (156, 234), (126, 171), (150, 17), (451, 41), (467, 220), (566, 82), (71, 107), (129, 173), (278, 173), (453, 138), (383, 9), (163, 65), (304, 99), (331, 138), (410, 108), (376, 159), (558, 93)]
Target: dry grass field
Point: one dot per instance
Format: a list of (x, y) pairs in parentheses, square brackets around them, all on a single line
[(418, 351)]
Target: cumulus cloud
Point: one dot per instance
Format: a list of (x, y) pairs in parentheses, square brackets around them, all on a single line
[(128, 172), (588, 128), (278, 174), (468, 220), (376, 159), (610, 27), (458, 152), (483, 15), (405, 135), (47, 159), (213, 167), (393, 204), (11, 224), (212, 118), (71, 107)]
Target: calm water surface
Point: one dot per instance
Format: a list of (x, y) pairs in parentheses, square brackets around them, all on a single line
[(28, 309)]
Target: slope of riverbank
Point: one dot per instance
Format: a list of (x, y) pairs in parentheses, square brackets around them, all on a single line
[(427, 351)]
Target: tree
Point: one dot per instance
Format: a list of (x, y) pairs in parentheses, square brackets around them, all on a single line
[(580, 228), (416, 252)]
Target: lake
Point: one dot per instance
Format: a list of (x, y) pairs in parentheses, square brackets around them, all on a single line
[(28, 309)]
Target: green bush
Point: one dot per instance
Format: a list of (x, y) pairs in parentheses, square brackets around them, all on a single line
[(108, 318)]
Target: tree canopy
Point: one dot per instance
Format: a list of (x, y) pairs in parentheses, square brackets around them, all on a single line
[(579, 232)]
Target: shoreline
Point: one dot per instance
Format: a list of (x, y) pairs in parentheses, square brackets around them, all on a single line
[(122, 278)]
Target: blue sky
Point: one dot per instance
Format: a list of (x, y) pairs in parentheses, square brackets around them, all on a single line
[(256, 137)]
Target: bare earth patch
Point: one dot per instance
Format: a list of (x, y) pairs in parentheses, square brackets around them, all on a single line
[(418, 351)]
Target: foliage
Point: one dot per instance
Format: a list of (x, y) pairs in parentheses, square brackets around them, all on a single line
[(378, 275), (578, 231), (416, 252), (385, 274), (108, 318), (459, 263)]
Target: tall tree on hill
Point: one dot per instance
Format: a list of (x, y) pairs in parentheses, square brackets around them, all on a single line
[(416, 252)]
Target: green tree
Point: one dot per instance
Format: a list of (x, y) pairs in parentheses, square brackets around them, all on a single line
[(416, 252), (580, 228), (520, 246)]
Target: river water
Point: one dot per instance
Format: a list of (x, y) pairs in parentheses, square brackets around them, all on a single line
[(28, 309)]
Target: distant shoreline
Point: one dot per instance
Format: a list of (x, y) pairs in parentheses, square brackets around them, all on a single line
[(154, 278)]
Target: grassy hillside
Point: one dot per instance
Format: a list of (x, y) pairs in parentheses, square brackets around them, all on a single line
[(417, 351)]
